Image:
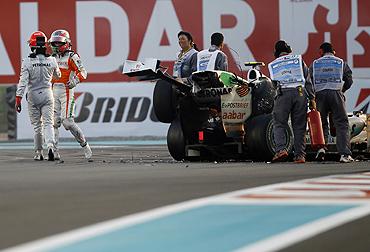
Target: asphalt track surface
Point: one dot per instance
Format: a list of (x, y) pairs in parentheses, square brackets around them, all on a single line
[(39, 199)]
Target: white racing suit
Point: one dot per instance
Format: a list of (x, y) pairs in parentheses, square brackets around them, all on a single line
[(64, 100), (36, 74)]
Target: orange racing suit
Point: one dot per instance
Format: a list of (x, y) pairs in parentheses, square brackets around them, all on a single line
[(64, 101)]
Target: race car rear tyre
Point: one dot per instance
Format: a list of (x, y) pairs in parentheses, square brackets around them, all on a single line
[(260, 138), (176, 140), (164, 101)]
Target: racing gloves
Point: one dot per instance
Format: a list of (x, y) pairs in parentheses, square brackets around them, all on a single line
[(18, 105), (73, 81)]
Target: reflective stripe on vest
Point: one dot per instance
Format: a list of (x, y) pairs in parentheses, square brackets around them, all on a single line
[(206, 60), (328, 73), (288, 71)]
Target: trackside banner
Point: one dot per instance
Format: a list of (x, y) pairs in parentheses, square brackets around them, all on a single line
[(106, 110), (358, 97), (105, 33)]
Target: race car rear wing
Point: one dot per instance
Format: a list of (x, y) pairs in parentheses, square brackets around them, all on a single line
[(150, 69)]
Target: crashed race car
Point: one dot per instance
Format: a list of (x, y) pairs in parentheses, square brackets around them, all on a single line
[(219, 115)]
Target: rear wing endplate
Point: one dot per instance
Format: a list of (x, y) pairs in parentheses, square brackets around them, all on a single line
[(146, 69), (150, 69)]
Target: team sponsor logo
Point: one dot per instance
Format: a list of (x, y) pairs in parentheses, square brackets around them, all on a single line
[(214, 92), (232, 115), (114, 110), (232, 105), (136, 67), (63, 64), (41, 65), (242, 90), (235, 106)]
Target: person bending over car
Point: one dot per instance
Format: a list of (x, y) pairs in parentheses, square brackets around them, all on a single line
[(331, 77), (213, 58), (291, 99)]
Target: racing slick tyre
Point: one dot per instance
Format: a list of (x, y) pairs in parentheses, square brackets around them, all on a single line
[(259, 137), (176, 140), (164, 101)]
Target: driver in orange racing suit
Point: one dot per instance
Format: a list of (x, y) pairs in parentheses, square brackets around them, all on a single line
[(73, 72)]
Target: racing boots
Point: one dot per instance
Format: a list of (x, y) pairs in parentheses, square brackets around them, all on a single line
[(38, 156), (56, 155), (87, 150)]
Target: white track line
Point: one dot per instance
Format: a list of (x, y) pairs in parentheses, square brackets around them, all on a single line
[(306, 231), (320, 194), (126, 221)]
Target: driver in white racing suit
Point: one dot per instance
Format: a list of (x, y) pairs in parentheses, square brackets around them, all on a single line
[(73, 72), (36, 74)]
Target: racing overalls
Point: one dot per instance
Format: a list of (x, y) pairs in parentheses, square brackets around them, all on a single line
[(64, 100), (36, 74), (185, 64), (291, 99), (212, 59), (331, 77)]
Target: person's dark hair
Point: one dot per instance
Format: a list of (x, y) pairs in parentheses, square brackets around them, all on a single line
[(326, 47), (280, 47), (190, 38), (217, 39)]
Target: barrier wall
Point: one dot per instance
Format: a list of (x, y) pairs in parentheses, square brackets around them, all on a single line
[(105, 33), (106, 110)]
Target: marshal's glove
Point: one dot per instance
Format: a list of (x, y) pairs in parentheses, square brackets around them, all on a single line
[(312, 104), (18, 105), (73, 81)]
